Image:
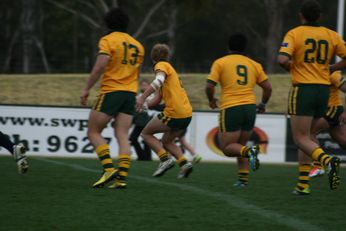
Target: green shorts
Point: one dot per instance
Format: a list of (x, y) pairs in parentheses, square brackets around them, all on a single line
[(308, 100), (173, 123), (115, 102), (237, 118), (333, 114)]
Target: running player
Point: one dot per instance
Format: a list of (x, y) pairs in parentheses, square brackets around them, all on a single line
[(334, 120), (237, 76), (174, 119), (17, 151), (118, 62), (306, 52)]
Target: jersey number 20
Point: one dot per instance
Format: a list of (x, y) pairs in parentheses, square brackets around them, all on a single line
[(317, 51)]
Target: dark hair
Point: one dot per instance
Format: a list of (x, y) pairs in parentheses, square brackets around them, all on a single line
[(117, 20), (311, 10), (237, 42)]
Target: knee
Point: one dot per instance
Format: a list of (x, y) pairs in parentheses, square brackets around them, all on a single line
[(145, 136), (300, 140), (91, 134)]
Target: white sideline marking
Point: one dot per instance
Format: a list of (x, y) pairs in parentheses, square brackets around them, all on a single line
[(228, 198)]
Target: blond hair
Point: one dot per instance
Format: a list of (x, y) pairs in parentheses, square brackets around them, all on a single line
[(160, 52)]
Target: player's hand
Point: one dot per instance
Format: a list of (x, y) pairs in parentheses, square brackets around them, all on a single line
[(342, 118), (261, 108), (84, 97), (213, 103), (140, 104)]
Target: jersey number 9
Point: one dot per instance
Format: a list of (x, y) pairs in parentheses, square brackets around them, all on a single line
[(242, 73)]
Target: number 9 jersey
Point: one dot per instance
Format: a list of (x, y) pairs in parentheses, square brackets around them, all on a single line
[(126, 56), (311, 47), (237, 75)]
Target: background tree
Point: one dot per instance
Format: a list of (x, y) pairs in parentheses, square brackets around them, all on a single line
[(61, 35)]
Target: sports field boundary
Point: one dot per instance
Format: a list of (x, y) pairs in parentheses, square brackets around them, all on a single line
[(231, 200)]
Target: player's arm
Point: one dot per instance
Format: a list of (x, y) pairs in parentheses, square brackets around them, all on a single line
[(338, 66), (98, 69), (340, 51), (284, 61), (266, 94), (286, 51), (155, 85), (156, 100), (210, 92)]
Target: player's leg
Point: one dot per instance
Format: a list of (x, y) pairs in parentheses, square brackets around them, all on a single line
[(243, 172), (136, 132), (196, 158), (122, 126), (318, 126), (303, 187), (243, 162), (229, 142), (156, 126), (97, 122), (17, 151), (146, 151), (236, 125), (310, 101), (104, 110), (168, 141), (338, 133), (6, 142)]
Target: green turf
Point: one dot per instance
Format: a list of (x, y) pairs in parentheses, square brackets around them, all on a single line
[(52, 196)]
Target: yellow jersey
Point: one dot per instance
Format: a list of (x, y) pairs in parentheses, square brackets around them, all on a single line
[(126, 56), (237, 75), (334, 97), (311, 48), (177, 104)]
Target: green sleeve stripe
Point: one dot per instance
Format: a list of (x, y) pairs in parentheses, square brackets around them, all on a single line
[(211, 82), (103, 53), (285, 54)]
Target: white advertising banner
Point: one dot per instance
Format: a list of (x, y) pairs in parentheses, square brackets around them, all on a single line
[(269, 133), (59, 131)]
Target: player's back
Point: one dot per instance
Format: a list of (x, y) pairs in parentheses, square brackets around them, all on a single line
[(177, 104), (311, 48), (237, 75), (122, 70)]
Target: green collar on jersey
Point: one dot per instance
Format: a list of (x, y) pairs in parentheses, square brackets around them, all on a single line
[(311, 24)]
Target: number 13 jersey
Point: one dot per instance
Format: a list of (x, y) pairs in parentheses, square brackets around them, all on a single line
[(237, 75), (126, 56), (311, 48)]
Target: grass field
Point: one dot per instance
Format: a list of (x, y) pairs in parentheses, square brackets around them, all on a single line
[(56, 195), (65, 89)]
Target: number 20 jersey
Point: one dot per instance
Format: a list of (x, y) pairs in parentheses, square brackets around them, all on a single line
[(311, 48), (126, 56), (237, 75)]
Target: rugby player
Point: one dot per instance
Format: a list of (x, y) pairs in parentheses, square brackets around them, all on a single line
[(334, 120), (17, 151), (118, 62), (175, 118), (306, 52), (238, 75)]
